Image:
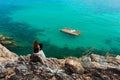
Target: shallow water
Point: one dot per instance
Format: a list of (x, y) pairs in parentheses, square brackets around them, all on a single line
[(99, 22)]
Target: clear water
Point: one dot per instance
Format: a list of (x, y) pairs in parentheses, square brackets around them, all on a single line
[(99, 22)]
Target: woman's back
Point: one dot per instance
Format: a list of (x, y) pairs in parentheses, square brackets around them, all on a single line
[(38, 54)]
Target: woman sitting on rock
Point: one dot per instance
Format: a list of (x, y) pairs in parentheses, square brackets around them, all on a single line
[(38, 54)]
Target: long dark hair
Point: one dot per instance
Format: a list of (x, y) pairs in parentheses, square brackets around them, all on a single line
[(41, 45), (35, 46)]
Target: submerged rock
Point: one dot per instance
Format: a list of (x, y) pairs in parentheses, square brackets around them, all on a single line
[(5, 40), (2, 37)]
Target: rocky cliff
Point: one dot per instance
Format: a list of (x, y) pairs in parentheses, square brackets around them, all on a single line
[(90, 67)]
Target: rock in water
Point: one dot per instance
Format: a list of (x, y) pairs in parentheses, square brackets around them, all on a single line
[(7, 42)]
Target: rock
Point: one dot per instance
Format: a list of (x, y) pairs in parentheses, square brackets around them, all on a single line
[(85, 61), (110, 65), (53, 78), (96, 58), (7, 42), (88, 78), (8, 38), (10, 72), (63, 76), (2, 72), (95, 65), (106, 77), (2, 60), (14, 77), (73, 66), (10, 65), (61, 63), (2, 37), (21, 69), (55, 63), (118, 66), (24, 58), (5, 53), (117, 57)]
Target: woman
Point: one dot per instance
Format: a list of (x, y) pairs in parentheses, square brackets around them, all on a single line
[(37, 48), (39, 55)]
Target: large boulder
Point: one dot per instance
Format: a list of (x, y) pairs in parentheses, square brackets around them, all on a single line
[(96, 58), (73, 66)]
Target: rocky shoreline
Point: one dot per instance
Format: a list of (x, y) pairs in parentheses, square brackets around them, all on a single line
[(89, 67)]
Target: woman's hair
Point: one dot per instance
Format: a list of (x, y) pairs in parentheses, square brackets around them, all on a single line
[(35, 46), (41, 45)]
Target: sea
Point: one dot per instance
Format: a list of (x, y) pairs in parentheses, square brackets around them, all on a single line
[(29, 20)]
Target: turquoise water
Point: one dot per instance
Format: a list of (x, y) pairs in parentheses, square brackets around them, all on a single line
[(99, 22)]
